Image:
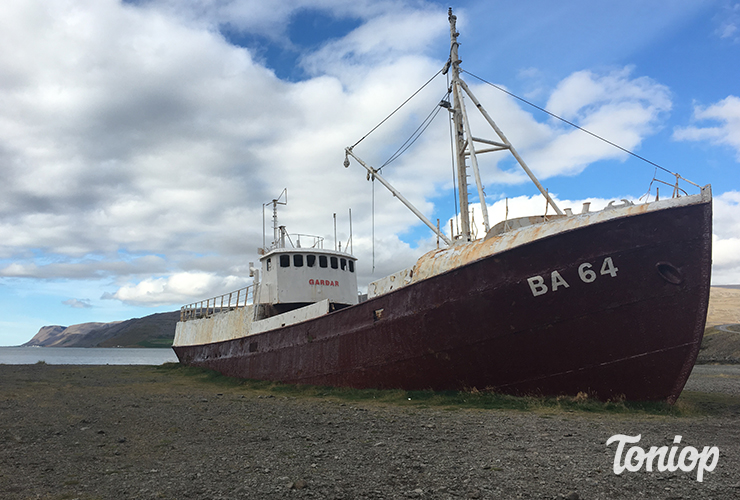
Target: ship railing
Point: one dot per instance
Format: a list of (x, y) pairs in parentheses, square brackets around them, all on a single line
[(309, 240), (226, 302), (294, 240)]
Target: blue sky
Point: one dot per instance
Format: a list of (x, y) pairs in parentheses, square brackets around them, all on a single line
[(139, 140)]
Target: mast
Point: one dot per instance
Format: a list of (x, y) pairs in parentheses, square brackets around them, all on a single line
[(464, 147), (278, 237), (464, 142), (457, 120)]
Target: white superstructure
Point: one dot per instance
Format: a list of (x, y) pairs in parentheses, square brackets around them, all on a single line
[(297, 276), (295, 283)]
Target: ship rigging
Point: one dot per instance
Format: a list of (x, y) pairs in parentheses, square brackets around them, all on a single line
[(469, 147)]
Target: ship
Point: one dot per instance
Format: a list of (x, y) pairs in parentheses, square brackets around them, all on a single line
[(611, 303)]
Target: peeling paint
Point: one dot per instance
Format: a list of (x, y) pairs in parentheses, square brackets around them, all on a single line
[(520, 232)]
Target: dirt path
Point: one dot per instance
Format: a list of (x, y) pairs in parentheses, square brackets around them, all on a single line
[(728, 328), (139, 432)]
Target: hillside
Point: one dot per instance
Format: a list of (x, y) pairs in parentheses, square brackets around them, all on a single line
[(156, 330), (724, 306)]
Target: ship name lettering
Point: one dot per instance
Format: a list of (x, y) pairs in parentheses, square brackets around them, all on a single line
[(585, 271), (323, 282)]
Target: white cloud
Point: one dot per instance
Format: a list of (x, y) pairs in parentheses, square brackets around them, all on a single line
[(615, 106), (85, 268), (271, 20), (726, 238), (137, 146), (117, 138), (383, 38), (78, 303), (728, 21), (727, 130), (177, 288)]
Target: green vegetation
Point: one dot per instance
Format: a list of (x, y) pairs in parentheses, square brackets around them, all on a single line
[(156, 330), (703, 403), (156, 342), (689, 404)]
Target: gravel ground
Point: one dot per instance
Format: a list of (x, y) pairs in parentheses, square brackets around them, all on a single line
[(72, 432), (718, 379)]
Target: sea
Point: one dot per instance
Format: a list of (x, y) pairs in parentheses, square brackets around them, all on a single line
[(86, 356)]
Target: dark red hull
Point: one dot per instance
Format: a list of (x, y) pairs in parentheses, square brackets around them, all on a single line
[(633, 331)]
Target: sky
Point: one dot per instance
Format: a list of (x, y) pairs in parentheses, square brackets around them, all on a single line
[(139, 140)]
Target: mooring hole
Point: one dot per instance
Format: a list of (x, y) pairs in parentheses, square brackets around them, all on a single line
[(669, 272)]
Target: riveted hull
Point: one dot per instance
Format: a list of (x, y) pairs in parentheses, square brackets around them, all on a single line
[(522, 321)]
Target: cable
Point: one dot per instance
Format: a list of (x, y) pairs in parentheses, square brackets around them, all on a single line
[(399, 107), (416, 134), (573, 125)]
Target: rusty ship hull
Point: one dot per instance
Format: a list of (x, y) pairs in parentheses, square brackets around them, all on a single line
[(612, 309)]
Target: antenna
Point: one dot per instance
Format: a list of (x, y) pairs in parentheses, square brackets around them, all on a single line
[(275, 228)]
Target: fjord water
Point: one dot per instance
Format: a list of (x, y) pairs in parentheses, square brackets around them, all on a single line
[(85, 356)]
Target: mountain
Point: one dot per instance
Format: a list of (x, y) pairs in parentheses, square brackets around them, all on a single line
[(65, 336), (48, 335), (156, 330)]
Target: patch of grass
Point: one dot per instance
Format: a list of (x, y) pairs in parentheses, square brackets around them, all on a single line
[(156, 342), (705, 403), (689, 404), (202, 374)]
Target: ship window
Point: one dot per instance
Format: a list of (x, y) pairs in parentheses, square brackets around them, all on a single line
[(285, 261), (334, 263), (298, 260), (343, 264), (351, 266), (323, 261), (268, 264), (311, 260)]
